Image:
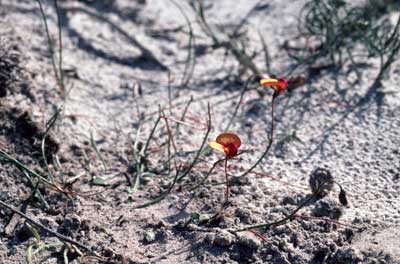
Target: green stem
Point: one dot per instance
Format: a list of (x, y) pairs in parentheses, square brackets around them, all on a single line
[(270, 140)]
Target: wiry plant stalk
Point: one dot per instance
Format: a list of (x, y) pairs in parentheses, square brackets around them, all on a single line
[(193, 163), (57, 72), (293, 214), (48, 230), (235, 111), (162, 196), (191, 58), (7, 158), (170, 140), (50, 124), (270, 140), (184, 113), (227, 180)]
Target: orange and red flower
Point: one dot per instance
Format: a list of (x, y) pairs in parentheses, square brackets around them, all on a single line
[(227, 143), (279, 85)]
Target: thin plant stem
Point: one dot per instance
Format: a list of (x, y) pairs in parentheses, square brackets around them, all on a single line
[(211, 170), (184, 113), (239, 102), (169, 92), (22, 167), (170, 140), (270, 140), (48, 230), (50, 124), (94, 146), (162, 196), (207, 175), (227, 180), (189, 68), (267, 57), (60, 48), (306, 217), (180, 178), (139, 167), (51, 46), (289, 217), (146, 146), (36, 191)]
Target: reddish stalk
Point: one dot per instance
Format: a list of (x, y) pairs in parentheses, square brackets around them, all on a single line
[(227, 181), (263, 238), (170, 137), (326, 219)]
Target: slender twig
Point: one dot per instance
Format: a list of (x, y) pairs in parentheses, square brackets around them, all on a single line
[(263, 238), (192, 125), (50, 231)]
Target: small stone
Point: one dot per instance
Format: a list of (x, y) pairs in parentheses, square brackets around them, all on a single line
[(249, 241), (347, 255), (71, 223), (328, 208), (209, 238), (244, 215), (4, 196), (224, 239), (149, 236)]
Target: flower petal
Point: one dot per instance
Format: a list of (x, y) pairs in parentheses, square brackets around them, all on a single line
[(278, 84), (216, 146), (269, 82), (229, 138)]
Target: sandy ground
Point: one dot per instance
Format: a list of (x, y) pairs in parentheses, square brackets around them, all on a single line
[(110, 48)]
